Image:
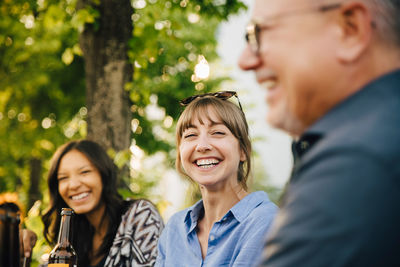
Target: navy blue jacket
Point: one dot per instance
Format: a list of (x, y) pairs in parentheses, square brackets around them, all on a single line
[(342, 206)]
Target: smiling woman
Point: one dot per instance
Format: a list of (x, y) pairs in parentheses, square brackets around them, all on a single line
[(83, 177), (227, 227)]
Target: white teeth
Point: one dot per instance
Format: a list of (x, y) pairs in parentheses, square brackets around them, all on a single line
[(80, 196), (207, 163), (206, 166), (270, 84)]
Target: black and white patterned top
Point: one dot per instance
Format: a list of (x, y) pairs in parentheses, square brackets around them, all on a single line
[(135, 243)]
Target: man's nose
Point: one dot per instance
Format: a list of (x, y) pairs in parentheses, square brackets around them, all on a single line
[(248, 60)]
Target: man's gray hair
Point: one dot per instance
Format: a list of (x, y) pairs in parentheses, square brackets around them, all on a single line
[(386, 16)]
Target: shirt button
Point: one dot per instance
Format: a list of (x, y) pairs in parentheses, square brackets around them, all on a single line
[(304, 145), (212, 237)]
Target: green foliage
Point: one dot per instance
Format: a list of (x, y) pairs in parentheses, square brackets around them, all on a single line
[(220, 8), (42, 78), (33, 222), (42, 86), (169, 37)]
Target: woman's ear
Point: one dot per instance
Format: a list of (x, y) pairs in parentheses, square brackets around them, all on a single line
[(243, 157)]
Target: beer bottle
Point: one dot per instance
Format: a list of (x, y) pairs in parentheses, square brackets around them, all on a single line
[(63, 254), (14, 221), (9, 236), (3, 237)]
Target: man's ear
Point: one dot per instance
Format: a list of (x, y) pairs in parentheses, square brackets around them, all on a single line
[(356, 28)]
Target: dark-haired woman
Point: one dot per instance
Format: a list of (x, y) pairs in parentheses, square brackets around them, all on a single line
[(107, 230)]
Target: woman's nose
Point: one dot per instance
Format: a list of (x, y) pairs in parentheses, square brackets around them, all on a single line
[(74, 182), (203, 145)]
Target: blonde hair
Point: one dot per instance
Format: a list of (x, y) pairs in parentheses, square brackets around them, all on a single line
[(230, 115)]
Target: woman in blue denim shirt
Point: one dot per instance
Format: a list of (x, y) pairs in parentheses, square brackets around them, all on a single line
[(228, 226)]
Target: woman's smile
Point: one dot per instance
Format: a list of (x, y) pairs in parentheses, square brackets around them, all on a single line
[(207, 163)]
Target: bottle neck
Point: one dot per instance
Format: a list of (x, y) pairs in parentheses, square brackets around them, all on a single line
[(64, 233)]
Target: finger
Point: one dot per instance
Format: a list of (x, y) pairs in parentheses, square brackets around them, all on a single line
[(21, 242), (33, 239), (29, 239)]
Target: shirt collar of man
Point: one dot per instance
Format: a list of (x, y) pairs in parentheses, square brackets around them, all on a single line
[(239, 212), (339, 117)]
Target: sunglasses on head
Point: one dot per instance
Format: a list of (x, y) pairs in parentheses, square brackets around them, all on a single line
[(224, 95)]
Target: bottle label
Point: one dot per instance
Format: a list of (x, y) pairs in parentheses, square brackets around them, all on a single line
[(58, 265)]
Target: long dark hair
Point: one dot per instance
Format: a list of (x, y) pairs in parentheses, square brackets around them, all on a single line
[(114, 203)]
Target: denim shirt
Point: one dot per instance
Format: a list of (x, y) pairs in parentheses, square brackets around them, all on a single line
[(236, 240)]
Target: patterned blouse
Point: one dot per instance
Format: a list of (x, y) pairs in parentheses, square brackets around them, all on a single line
[(135, 243)]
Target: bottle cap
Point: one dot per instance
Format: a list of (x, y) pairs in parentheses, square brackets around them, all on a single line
[(67, 211)]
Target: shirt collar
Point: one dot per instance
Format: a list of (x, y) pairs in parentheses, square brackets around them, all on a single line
[(243, 208), (192, 215), (240, 211), (339, 117)]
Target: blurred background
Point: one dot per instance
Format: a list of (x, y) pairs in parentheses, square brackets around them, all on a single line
[(114, 71)]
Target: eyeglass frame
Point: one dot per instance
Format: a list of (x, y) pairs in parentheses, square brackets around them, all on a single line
[(254, 28), (186, 101)]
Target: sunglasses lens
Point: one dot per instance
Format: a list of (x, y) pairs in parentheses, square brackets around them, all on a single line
[(224, 95), (186, 101)]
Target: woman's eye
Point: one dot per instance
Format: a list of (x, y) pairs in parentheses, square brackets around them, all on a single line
[(189, 135), (85, 171), (62, 178), (219, 133)]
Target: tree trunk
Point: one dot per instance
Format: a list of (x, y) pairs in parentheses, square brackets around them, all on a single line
[(34, 192), (107, 71)]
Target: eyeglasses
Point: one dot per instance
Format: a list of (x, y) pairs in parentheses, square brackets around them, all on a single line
[(254, 29), (224, 95)]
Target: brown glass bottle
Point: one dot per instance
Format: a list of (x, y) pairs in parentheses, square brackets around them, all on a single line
[(9, 237), (63, 254)]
